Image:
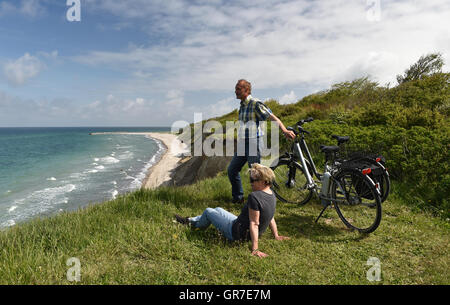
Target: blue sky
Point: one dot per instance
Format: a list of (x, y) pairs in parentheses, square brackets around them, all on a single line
[(154, 62)]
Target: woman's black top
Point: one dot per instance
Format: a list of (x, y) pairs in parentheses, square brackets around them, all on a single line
[(259, 201)]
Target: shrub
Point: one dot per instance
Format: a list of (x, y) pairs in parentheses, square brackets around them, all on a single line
[(408, 124)]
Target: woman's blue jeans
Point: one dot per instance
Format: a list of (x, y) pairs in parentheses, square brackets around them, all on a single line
[(221, 219), (251, 154)]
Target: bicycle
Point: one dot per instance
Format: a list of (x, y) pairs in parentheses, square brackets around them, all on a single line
[(376, 162), (345, 184)]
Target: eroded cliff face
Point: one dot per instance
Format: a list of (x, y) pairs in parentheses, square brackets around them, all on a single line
[(193, 169)]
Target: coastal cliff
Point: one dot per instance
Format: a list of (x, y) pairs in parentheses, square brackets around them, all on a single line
[(192, 169)]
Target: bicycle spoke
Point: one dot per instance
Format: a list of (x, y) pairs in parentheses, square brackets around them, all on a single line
[(360, 209), (290, 183)]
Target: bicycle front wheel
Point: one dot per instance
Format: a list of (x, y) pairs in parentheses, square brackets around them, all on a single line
[(290, 183), (356, 200)]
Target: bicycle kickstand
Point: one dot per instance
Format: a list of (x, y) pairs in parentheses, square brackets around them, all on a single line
[(323, 210)]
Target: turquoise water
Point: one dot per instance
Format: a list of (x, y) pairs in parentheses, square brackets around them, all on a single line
[(47, 170)]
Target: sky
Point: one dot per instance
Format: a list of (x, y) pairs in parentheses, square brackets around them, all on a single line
[(157, 62)]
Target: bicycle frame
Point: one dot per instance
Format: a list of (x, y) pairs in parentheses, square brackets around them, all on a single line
[(298, 147), (301, 152), (331, 186)]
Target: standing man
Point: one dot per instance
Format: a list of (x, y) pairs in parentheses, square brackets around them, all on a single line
[(251, 113)]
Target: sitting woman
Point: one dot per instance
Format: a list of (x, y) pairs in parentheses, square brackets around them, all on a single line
[(255, 216)]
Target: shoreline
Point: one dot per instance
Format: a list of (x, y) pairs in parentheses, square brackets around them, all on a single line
[(159, 174)]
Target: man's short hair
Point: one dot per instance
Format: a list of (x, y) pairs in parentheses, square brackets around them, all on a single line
[(246, 83)]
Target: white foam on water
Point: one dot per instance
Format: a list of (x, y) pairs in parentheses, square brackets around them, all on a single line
[(47, 200), (139, 179), (123, 147), (126, 155), (38, 202), (109, 160), (48, 194), (136, 183), (152, 160), (8, 223), (19, 201), (76, 175)]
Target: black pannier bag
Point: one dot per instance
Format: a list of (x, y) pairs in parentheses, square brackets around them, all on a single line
[(376, 174)]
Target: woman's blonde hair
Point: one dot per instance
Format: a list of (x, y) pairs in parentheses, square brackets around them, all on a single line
[(262, 173)]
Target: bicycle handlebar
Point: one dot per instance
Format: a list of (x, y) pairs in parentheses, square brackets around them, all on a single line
[(299, 126), (302, 130), (301, 122)]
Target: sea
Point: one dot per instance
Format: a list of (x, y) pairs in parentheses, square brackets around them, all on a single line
[(44, 171)]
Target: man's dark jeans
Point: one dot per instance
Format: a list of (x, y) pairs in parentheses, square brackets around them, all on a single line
[(251, 154)]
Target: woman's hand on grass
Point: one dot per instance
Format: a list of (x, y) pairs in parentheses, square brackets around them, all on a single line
[(259, 253), (279, 237)]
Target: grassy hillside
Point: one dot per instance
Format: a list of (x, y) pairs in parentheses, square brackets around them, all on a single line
[(408, 124), (134, 240)]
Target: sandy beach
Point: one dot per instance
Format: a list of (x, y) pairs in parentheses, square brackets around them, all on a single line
[(159, 173)]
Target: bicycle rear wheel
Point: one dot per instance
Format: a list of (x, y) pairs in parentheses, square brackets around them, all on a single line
[(382, 178), (290, 183), (356, 200)]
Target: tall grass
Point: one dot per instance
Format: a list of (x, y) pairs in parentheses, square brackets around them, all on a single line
[(134, 240)]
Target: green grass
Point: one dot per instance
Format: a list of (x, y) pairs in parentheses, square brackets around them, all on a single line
[(134, 240)]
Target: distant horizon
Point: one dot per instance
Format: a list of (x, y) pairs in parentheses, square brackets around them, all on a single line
[(86, 127)]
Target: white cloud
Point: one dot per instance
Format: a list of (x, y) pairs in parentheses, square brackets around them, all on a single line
[(16, 111), (273, 43), (18, 72), (49, 55), (118, 109), (288, 98), (6, 8), (219, 108), (174, 104), (202, 46), (32, 8), (28, 8)]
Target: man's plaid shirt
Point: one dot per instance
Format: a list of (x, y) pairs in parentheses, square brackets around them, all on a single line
[(251, 113)]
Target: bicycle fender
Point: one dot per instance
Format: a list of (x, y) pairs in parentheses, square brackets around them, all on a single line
[(374, 185)]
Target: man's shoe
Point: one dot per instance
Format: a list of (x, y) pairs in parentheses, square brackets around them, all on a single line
[(238, 200), (182, 220)]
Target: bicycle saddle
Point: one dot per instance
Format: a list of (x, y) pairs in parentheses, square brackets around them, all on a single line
[(329, 149), (341, 139)]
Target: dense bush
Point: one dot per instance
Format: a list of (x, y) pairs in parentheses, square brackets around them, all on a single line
[(408, 124)]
